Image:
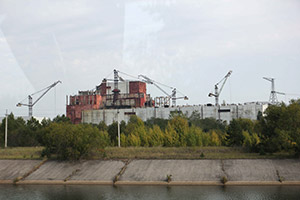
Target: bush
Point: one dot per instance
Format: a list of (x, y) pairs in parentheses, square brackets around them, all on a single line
[(202, 155), (72, 142), (224, 179), (169, 178)]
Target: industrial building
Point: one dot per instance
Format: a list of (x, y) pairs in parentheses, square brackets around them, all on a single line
[(224, 113), (119, 94), (118, 99)]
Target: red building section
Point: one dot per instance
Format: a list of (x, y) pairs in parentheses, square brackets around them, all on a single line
[(137, 87), (82, 102), (132, 95)]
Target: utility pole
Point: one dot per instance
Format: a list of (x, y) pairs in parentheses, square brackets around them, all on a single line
[(5, 144), (119, 139)]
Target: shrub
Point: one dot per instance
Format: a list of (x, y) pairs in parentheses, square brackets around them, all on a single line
[(224, 179), (72, 142), (202, 155), (169, 178)]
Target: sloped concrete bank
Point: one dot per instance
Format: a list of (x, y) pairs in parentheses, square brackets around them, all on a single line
[(153, 172)]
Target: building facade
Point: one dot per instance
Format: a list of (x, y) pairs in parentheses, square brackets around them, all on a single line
[(224, 113), (127, 94)]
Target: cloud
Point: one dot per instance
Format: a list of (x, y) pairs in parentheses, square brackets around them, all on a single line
[(186, 44)]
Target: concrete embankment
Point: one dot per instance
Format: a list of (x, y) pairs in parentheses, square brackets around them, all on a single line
[(153, 172)]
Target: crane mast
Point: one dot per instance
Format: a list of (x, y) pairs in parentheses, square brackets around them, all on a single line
[(30, 101), (116, 90), (273, 97), (217, 91)]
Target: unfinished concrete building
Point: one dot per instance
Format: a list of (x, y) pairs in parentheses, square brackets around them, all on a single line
[(118, 99), (224, 112), (127, 94)]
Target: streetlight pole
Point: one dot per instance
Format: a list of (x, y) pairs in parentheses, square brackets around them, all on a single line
[(119, 140), (5, 144)]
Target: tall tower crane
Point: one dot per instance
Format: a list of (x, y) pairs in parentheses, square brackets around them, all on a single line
[(217, 91), (273, 97), (174, 91), (116, 90), (30, 103)]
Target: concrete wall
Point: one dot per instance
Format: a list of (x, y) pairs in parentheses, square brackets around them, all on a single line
[(123, 86), (192, 172), (227, 113)]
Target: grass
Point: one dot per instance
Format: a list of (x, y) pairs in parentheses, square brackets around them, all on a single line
[(182, 153), (23, 153), (29, 153)]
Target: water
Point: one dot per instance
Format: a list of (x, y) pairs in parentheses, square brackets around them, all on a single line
[(74, 192)]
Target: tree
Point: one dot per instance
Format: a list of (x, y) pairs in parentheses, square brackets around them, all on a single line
[(72, 142), (123, 140), (162, 123), (251, 141), (136, 129), (192, 137), (215, 140), (102, 126), (206, 124), (20, 132), (62, 118), (133, 140), (156, 136), (171, 137), (113, 133), (281, 127), (180, 126), (234, 133)]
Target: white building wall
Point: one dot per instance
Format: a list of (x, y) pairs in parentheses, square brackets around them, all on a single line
[(248, 111), (123, 86)]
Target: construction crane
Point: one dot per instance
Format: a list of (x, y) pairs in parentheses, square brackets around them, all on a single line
[(174, 98), (116, 90), (217, 91), (150, 81), (155, 83), (30, 103), (273, 97)]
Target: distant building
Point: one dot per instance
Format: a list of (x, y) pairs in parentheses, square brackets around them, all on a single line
[(129, 94), (118, 99), (224, 113)]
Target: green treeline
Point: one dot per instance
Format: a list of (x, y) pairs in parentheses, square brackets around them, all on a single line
[(278, 129)]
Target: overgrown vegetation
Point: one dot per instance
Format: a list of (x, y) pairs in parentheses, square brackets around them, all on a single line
[(169, 178), (275, 131), (21, 153), (224, 180), (69, 141), (182, 153)]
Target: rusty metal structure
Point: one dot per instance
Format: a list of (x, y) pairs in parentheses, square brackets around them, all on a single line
[(110, 94)]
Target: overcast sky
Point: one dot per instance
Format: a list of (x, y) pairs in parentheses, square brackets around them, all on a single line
[(190, 45)]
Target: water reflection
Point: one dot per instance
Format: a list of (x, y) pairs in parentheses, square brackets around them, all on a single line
[(78, 192)]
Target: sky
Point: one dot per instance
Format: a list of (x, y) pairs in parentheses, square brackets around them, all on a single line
[(190, 45)]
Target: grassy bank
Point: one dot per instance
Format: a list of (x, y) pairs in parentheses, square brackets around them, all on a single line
[(182, 153), (21, 153), (150, 153)]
